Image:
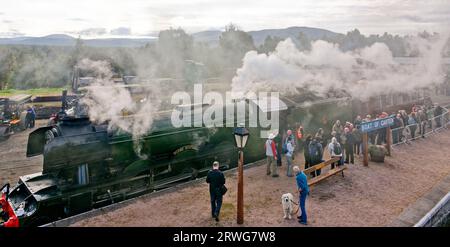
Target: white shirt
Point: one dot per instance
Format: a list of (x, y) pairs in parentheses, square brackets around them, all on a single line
[(290, 149), (269, 148)]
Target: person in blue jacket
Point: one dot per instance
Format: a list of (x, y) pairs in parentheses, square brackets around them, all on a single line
[(32, 116), (303, 189)]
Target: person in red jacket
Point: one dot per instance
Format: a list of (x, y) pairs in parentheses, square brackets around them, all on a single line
[(300, 139), (271, 153), (8, 214)]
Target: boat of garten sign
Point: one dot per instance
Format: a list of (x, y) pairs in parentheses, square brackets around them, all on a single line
[(377, 124)]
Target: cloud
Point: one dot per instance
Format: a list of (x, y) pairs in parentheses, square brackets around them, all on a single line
[(77, 19), (121, 31), (11, 33), (413, 18), (93, 31), (369, 16)]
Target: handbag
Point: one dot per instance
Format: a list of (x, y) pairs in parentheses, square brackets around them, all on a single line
[(223, 189)]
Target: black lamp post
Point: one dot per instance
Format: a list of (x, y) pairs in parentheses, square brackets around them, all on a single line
[(241, 135)]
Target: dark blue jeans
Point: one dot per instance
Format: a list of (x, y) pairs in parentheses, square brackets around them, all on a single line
[(216, 203), (302, 203)]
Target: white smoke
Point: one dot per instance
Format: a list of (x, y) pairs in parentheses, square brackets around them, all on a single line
[(325, 68), (113, 103)]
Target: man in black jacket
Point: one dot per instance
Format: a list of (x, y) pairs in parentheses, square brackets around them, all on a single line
[(216, 180), (437, 113)]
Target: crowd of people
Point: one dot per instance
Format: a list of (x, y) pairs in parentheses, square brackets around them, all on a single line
[(415, 124), (343, 141)]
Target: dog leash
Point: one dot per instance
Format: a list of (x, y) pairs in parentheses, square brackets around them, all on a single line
[(297, 207)]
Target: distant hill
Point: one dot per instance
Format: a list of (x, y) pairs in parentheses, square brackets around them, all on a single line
[(260, 36), (291, 32), (118, 42), (210, 37), (66, 40)]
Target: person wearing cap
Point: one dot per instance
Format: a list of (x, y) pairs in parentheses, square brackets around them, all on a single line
[(335, 151), (289, 153), (271, 153), (216, 180)]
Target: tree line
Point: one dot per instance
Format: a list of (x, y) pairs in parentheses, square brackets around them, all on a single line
[(175, 54)]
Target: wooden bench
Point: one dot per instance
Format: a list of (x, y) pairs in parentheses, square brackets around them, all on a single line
[(324, 175)]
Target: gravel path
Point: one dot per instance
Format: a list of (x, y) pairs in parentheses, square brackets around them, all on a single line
[(13, 160), (366, 196)]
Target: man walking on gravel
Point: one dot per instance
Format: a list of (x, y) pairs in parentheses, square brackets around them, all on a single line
[(271, 153), (216, 180)]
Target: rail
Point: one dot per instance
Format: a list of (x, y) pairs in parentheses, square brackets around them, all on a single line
[(408, 133)]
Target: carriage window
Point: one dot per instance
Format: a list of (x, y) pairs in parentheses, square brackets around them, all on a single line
[(83, 174)]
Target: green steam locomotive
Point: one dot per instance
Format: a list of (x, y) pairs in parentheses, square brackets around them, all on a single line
[(88, 165)]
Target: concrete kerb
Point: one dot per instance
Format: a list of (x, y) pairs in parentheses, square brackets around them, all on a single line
[(417, 212), (99, 211), (437, 214)]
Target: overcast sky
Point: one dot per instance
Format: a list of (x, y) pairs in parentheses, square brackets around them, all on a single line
[(93, 18)]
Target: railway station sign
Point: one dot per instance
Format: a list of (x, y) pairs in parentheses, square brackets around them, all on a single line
[(377, 124)]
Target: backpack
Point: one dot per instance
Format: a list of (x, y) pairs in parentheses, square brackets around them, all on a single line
[(337, 149), (313, 150)]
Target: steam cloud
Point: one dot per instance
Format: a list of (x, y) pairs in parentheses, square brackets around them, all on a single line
[(325, 68), (110, 102)]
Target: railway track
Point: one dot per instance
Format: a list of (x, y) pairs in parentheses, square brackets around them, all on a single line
[(161, 191)]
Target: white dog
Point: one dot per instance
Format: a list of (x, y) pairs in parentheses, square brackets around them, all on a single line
[(288, 207)]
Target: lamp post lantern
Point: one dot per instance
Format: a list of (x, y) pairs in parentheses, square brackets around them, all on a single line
[(241, 135)]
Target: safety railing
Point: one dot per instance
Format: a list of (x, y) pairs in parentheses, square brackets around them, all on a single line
[(422, 129)]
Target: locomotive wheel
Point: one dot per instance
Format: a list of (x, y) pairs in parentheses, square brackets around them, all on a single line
[(182, 163), (190, 170)]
